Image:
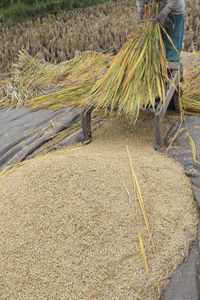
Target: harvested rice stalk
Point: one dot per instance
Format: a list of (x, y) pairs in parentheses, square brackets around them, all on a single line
[(191, 93), (138, 195), (192, 144), (30, 76), (191, 101), (138, 192), (137, 74), (71, 97), (143, 251)]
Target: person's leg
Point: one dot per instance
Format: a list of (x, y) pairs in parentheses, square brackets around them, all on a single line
[(175, 29)]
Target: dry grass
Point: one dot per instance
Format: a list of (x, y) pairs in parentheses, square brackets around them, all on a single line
[(191, 85)]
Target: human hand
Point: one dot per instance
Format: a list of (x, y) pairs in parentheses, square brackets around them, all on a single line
[(139, 17), (161, 18)]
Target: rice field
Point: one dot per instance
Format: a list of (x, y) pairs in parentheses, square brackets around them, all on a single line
[(102, 28)]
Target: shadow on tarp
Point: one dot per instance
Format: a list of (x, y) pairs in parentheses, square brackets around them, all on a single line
[(25, 134), (185, 282)]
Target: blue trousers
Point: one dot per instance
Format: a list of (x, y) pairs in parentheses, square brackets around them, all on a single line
[(175, 29)]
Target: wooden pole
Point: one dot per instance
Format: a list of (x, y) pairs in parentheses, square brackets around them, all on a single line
[(86, 124)]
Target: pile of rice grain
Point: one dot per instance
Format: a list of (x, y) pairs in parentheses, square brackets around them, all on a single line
[(68, 223)]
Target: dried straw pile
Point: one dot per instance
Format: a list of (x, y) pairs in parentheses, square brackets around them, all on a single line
[(191, 86), (133, 80), (29, 76), (68, 222)]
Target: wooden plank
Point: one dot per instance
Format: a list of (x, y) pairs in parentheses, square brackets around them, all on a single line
[(159, 142), (176, 99), (86, 124), (162, 108)]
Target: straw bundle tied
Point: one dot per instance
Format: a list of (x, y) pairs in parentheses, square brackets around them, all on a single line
[(137, 74)]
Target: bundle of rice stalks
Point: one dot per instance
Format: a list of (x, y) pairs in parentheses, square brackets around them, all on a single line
[(137, 74), (68, 97), (191, 93), (30, 76)]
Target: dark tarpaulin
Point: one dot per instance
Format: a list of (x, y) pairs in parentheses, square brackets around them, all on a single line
[(26, 134), (185, 282)]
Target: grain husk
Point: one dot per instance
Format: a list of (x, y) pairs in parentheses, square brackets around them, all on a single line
[(68, 223)]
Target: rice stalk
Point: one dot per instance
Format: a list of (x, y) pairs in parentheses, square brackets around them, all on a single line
[(137, 195), (68, 97), (31, 76), (138, 73), (143, 252), (174, 137), (138, 191), (192, 146)]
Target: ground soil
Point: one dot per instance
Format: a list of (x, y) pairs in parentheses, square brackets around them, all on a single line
[(68, 222)]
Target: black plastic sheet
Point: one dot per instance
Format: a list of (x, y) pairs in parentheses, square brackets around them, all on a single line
[(185, 282), (26, 134)]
